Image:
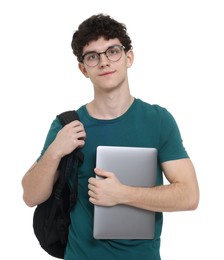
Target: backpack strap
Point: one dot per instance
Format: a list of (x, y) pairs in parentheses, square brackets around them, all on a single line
[(66, 118), (69, 162)]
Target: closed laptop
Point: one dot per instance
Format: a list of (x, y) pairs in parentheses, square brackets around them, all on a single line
[(133, 166)]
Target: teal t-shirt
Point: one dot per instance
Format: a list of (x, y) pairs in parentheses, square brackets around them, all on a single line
[(143, 125)]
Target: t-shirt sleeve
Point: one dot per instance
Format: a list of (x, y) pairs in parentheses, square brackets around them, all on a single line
[(52, 133), (171, 144)]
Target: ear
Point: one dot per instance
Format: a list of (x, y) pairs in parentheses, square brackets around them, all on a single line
[(130, 58), (83, 70)]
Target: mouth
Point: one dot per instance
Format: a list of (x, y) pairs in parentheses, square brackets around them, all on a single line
[(106, 73)]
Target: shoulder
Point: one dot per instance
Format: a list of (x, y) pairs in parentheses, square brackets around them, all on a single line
[(153, 109), (82, 112), (148, 106)]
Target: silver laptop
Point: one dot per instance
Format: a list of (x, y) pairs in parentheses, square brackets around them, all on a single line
[(133, 166)]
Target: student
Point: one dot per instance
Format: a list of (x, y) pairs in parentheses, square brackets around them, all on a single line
[(114, 117)]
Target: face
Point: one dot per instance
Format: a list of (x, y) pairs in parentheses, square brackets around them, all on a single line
[(107, 74)]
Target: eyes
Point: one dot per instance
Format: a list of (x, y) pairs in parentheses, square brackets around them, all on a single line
[(91, 56), (113, 53)]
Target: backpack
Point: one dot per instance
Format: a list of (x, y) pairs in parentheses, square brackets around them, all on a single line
[(51, 218)]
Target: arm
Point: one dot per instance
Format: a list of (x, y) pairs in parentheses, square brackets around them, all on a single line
[(38, 182), (182, 193)]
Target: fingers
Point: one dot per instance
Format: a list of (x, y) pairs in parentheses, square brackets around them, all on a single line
[(77, 126), (92, 192), (76, 131), (70, 137), (79, 129), (101, 192), (103, 173), (99, 189)]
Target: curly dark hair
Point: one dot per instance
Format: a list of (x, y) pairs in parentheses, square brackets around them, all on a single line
[(95, 27)]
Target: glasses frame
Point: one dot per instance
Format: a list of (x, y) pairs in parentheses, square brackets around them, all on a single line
[(103, 52)]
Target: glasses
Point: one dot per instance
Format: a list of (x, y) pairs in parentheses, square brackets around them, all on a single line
[(113, 53)]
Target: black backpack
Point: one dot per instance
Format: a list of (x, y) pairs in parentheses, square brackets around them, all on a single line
[(51, 218)]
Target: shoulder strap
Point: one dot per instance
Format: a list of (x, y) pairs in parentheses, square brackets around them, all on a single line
[(68, 116), (68, 161)]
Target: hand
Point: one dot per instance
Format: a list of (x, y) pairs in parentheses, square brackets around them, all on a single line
[(106, 190), (69, 138)]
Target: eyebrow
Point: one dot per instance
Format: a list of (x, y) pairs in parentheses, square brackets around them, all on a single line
[(117, 44)]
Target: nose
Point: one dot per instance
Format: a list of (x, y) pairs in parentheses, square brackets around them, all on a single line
[(103, 60)]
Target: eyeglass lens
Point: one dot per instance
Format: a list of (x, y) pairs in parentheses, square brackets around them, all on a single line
[(113, 53)]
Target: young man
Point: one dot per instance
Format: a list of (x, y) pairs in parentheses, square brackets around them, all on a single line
[(114, 117)]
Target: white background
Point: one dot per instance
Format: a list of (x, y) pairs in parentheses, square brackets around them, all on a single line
[(179, 64)]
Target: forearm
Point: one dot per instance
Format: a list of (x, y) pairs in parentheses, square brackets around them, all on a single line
[(38, 181), (165, 198), (181, 194)]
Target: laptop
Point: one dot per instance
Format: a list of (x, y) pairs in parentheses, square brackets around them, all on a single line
[(134, 166)]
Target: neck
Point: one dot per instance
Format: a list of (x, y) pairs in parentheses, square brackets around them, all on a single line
[(109, 107)]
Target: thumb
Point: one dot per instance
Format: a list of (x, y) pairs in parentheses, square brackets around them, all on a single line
[(102, 173)]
